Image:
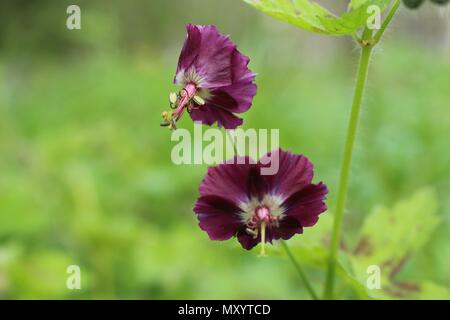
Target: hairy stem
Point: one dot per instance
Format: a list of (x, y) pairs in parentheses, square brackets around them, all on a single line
[(367, 44), (387, 21), (345, 169), (300, 272)]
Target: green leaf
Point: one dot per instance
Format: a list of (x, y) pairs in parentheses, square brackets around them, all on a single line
[(311, 16), (425, 290), (318, 256), (312, 249), (389, 237)]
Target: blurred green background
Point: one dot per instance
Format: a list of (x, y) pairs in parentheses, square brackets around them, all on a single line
[(85, 172)]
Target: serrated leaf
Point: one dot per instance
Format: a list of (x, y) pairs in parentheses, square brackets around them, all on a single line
[(390, 236), (319, 256), (430, 290), (311, 16), (425, 290), (312, 249)]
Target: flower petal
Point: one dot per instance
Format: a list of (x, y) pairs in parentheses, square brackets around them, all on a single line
[(247, 241), (288, 228), (190, 49), (217, 216), (307, 204), (210, 56), (227, 181), (295, 173), (242, 90), (210, 113), (214, 58), (234, 98)]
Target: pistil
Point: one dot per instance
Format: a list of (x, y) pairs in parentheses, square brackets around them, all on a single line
[(186, 94), (263, 216), (187, 98), (263, 240)]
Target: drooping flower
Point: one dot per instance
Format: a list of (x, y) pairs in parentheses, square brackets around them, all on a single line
[(237, 200), (216, 82)]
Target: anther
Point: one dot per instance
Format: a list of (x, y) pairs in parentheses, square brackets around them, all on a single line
[(252, 232), (173, 97), (198, 100)]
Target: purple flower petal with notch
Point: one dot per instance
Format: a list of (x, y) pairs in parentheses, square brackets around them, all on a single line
[(215, 78), (237, 200)]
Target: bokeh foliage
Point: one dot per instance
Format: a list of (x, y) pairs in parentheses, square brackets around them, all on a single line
[(85, 170)]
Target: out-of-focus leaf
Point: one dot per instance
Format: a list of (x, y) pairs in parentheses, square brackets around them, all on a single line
[(429, 290), (41, 274), (311, 16), (425, 290), (318, 257), (389, 237), (312, 249)]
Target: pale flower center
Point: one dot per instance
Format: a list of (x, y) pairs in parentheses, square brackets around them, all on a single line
[(192, 96), (260, 215), (263, 214)]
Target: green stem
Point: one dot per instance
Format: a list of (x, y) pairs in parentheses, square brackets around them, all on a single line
[(300, 272), (367, 42), (345, 169), (387, 21)]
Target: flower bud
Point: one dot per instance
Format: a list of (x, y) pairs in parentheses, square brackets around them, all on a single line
[(440, 2), (413, 4)]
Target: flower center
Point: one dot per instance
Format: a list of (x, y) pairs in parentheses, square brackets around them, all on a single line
[(259, 221), (262, 213), (186, 99)]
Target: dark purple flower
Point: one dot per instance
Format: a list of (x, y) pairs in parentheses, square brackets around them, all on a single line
[(215, 79), (236, 200)]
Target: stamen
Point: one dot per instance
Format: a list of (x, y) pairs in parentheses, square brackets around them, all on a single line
[(180, 102), (173, 98), (198, 100), (252, 232)]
